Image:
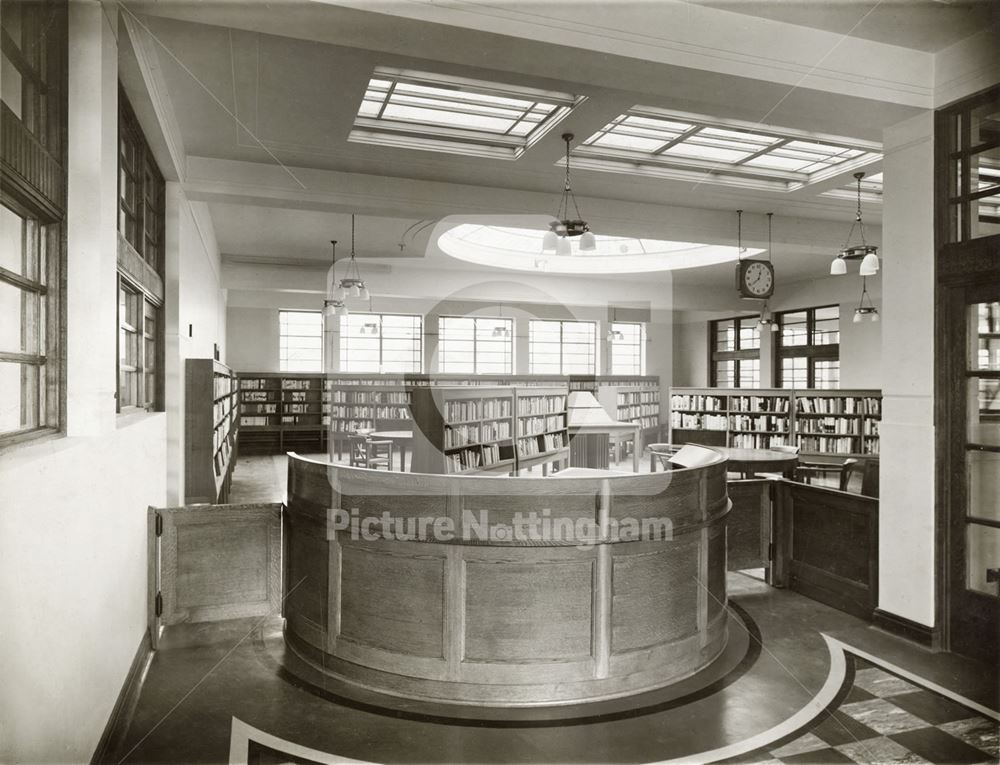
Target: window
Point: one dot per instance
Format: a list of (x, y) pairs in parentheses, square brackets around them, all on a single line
[(628, 348), (141, 214), (381, 342), (141, 189), (300, 341), (808, 350), (562, 347), (969, 154), (421, 110), (735, 352), (650, 141), (476, 345), (32, 212)]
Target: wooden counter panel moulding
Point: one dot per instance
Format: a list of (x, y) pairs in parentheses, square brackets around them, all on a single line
[(508, 621)]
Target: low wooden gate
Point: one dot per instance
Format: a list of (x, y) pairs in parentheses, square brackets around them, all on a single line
[(213, 562), (749, 525)]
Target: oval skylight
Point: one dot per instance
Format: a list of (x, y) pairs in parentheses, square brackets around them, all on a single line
[(519, 248)]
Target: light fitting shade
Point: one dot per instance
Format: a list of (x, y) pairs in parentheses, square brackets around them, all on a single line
[(339, 294), (550, 241), (563, 247), (329, 309), (365, 295), (838, 267), (587, 242), (774, 326), (875, 316), (355, 290), (342, 310), (869, 266), (857, 317)]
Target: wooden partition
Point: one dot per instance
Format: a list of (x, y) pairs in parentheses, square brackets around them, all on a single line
[(827, 546), (489, 616)]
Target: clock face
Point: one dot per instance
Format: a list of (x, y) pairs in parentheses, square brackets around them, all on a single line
[(757, 279)]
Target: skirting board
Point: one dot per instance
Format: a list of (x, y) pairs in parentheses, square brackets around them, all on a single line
[(128, 697), (903, 627)]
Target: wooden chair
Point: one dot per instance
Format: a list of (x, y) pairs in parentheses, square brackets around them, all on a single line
[(369, 453), (805, 472), (661, 454)]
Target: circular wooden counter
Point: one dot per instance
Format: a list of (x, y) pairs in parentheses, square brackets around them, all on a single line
[(482, 603)]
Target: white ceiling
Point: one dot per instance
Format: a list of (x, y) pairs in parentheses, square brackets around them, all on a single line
[(243, 95)]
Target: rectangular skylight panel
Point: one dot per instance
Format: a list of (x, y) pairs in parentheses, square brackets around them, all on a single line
[(629, 142), (446, 119), (688, 149), (753, 141), (421, 110), (772, 161), (658, 124)]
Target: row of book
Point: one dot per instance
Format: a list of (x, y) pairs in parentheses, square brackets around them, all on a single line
[(466, 459), (689, 402), (758, 423), (820, 426), (224, 385), (756, 441), (646, 422), (698, 421), (222, 409), (759, 403), (827, 444), (254, 421), (482, 409), (635, 411), (838, 405), (381, 412), (540, 405), (369, 397), (532, 425), (258, 396), (221, 458), (258, 383), (638, 397), (527, 447), (461, 435), (298, 383)]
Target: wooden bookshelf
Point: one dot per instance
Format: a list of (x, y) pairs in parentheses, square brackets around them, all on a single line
[(821, 422), (541, 434), (463, 430), (211, 424)]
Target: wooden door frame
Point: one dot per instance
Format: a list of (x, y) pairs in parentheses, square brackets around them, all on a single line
[(961, 268)]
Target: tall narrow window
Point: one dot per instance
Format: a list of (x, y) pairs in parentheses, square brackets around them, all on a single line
[(475, 345), (628, 348), (141, 194), (562, 347), (32, 213), (381, 343), (735, 353), (808, 350), (300, 341)]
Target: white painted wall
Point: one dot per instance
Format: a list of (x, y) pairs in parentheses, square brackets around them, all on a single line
[(73, 526)]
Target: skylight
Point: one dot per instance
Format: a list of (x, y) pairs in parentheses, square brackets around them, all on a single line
[(420, 110), (516, 244), (650, 141)]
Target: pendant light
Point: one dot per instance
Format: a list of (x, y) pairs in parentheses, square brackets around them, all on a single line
[(352, 285), (556, 239), (500, 330), (333, 305), (866, 253), (865, 310), (766, 317)]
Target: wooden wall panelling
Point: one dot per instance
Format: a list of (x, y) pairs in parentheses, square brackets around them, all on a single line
[(749, 524)]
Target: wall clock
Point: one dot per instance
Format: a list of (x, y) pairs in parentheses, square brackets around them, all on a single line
[(755, 278)]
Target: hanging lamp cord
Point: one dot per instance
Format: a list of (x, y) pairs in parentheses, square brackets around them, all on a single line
[(858, 222), (567, 194), (739, 235), (769, 216)]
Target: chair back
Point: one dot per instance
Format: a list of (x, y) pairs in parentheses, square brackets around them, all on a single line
[(869, 478), (358, 449), (848, 470), (787, 449)]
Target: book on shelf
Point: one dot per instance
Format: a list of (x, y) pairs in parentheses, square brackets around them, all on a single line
[(697, 402), (698, 421), (529, 405), (527, 426)]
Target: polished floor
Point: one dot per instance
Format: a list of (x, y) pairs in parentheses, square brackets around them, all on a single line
[(820, 687)]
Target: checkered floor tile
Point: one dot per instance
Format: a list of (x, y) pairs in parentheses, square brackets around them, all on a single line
[(886, 719)]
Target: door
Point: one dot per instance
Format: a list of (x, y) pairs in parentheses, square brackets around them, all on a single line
[(213, 562), (974, 529)]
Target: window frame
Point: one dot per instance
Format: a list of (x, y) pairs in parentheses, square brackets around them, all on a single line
[(147, 211), (595, 346), (511, 350), (736, 355), (381, 337), (641, 346), (811, 350), (322, 343), (33, 187)]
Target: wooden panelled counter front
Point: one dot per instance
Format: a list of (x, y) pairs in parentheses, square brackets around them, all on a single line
[(626, 596)]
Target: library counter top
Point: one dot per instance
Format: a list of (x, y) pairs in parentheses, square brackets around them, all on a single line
[(497, 590)]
